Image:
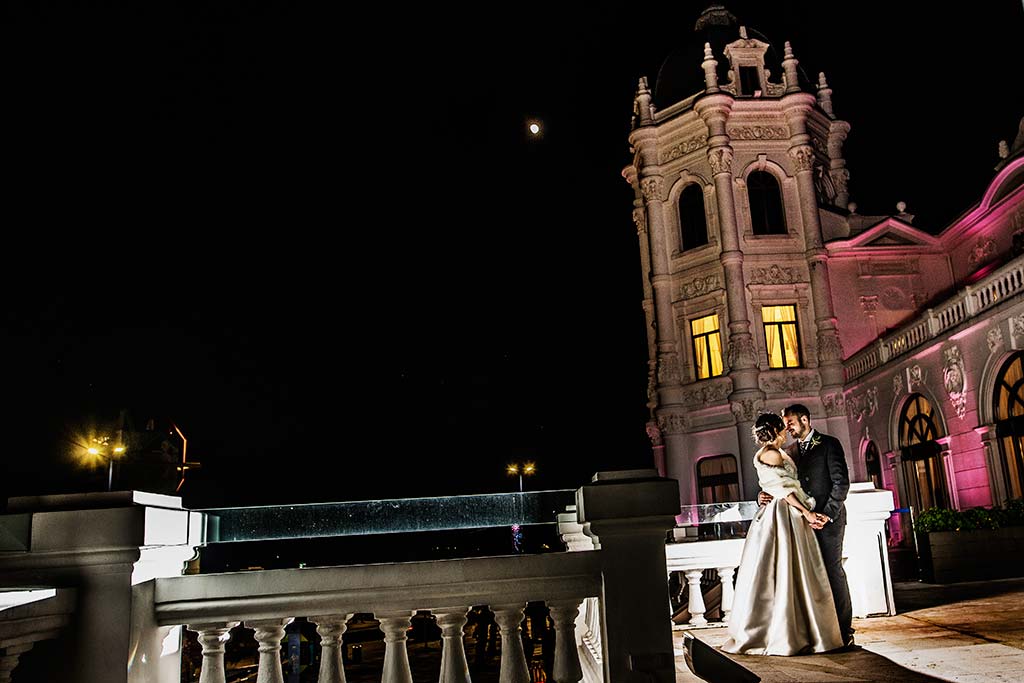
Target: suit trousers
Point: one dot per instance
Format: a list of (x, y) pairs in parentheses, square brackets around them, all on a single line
[(830, 540)]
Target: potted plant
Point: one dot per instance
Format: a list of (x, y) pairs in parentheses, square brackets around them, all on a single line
[(971, 545)]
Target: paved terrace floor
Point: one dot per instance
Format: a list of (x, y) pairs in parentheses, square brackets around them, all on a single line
[(966, 633)]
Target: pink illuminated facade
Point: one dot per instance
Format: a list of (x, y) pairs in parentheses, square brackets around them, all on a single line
[(764, 287)]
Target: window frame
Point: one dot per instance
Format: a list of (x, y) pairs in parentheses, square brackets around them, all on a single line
[(703, 336), (799, 339)]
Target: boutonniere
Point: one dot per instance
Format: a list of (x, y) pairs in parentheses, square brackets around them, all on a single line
[(815, 442)]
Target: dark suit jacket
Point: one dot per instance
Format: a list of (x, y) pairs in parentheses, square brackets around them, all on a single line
[(824, 475)]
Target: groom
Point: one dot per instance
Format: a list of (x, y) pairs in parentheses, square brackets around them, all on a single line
[(821, 466)]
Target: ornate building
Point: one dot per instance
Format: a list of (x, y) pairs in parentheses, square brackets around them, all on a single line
[(763, 287)]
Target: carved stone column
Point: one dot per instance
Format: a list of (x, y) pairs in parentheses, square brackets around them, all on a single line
[(837, 133), (454, 667), (830, 349), (395, 625), (567, 658), (331, 628), (949, 469), (268, 633), (514, 667), (212, 638), (993, 463)]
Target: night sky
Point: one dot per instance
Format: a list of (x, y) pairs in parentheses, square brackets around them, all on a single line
[(325, 246)]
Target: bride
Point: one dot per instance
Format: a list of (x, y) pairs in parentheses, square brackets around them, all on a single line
[(783, 604)]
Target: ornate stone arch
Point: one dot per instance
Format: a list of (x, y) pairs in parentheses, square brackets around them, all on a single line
[(787, 189), (987, 384), (893, 426), (687, 178)]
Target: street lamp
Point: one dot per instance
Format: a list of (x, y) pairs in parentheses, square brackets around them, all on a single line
[(99, 449), (521, 469)]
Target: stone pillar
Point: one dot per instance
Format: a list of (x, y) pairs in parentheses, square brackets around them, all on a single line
[(567, 658), (514, 667), (993, 463), (396, 657), (212, 638), (741, 356), (631, 511), (949, 469), (865, 551), (269, 633), (830, 349), (106, 546), (454, 667), (331, 629)]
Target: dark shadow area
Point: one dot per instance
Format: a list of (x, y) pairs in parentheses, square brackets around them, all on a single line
[(912, 596)]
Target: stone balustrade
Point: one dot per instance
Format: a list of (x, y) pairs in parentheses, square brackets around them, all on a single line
[(988, 292)]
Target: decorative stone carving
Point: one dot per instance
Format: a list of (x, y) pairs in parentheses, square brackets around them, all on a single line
[(840, 179), (835, 404), (872, 399), (823, 185), (953, 378), (1017, 326), (654, 434), (741, 353), (746, 409), (829, 346), (720, 159), (863, 405), (897, 385), (790, 382), (869, 304), (915, 377), (1017, 238), (995, 339), (640, 219), (759, 133), (673, 423), (668, 368), (903, 266), (981, 252), (894, 298), (708, 393), (685, 147), (701, 285), (774, 275), (650, 188), (803, 157), (919, 299)]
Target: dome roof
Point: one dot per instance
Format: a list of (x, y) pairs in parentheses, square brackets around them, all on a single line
[(681, 76)]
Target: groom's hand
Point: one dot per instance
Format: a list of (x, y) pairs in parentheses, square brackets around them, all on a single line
[(763, 498), (820, 521)]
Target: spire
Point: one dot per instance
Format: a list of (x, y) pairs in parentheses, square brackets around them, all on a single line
[(825, 95), (710, 70), (789, 64), (642, 102)]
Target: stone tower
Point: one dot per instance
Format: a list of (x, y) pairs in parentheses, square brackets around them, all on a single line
[(739, 179)]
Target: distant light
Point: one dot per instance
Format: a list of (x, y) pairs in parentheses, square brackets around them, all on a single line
[(529, 468), (512, 469), (94, 451), (119, 449), (535, 129)]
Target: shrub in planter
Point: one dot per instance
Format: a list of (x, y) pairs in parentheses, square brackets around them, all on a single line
[(964, 545)]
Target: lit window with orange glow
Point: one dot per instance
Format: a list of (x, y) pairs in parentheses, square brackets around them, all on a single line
[(780, 335), (707, 346)]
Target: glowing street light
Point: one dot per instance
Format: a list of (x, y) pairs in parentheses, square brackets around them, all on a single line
[(521, 469), (101, 450)]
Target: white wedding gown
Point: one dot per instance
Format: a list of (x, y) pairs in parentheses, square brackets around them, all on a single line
[(783, 604)]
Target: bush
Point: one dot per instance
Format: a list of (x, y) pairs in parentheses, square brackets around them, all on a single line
[(939, 519)]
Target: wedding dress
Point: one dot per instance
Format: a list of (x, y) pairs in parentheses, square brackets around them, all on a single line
[(783, 604)]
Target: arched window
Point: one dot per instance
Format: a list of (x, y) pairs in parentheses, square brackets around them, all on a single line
[(717, 480), (766, 214), (919, 427), (1009, 412), (693, 225)]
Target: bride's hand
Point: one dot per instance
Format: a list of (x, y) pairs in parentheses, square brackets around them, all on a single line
[(810, 517)]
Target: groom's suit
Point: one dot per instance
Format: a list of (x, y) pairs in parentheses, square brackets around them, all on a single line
[(824, 475)]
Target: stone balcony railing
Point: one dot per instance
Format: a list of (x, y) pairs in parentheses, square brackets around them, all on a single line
[(124, 554), (967, 303)]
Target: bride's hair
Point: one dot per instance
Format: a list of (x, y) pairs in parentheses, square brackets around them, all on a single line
[(767, 427)]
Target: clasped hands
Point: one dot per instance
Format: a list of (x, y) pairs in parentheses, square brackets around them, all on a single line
[(815, 519)]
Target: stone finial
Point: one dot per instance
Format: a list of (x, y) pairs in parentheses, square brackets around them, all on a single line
[(901, 207), (789, 64), (710, 67), (1004, 149), (825, 95), (743, 32), (642, 103), (903, 215), (852, 207)]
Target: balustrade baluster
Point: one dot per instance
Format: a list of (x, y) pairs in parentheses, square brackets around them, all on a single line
[(395, 625), (514, 668), (331, 629), (728, 592), (269, 633), (695, 599), (212, 638), (567, 657), (454, 667)]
